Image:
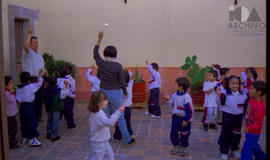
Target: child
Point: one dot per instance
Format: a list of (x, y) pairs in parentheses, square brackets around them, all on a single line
[(182, 115), (95, 82), (54, 104), (12, 111), (217, 68), (126, 103), (69, 100), (254, 121), (224, 72), (232, 100), (210, 104), (154, 86), (248, 77), (100, 127), (25, 95)]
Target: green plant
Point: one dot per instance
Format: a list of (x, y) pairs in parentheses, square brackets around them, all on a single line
[(137, 77), (195, 73), (53, 65)]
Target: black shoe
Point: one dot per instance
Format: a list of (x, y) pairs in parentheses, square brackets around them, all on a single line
[(71, 126), (56, 138), (131, 143), (213, 126), (219, 123), (205, 127), (48, 136), (15, 146)]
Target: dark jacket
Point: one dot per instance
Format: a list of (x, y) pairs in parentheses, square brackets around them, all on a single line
[(52, 100)]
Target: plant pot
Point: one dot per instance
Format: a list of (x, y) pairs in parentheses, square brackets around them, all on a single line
[(138, 92), (198, 98)]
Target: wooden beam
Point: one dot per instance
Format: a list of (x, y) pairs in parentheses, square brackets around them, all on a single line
[(4, 144)]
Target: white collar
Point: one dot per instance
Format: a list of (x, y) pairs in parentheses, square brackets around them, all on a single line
[(110, 59)]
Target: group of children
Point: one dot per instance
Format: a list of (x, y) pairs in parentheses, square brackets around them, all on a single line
[(58, 95), (227, 100)]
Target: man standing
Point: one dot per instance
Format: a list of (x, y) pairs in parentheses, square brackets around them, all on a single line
[(32, 62)]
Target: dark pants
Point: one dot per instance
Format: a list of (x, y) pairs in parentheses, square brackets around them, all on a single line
[(177, 127), (38, 99), (68, 110), (12, 130), (252, 148), (153, 102), (230, 135), (28, 120), (127, 114)]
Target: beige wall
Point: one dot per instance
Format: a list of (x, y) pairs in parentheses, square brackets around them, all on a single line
[(164, 31)]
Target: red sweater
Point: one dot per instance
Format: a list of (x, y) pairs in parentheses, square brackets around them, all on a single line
[(254, 116)]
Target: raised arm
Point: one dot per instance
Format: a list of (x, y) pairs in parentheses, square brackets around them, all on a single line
[(97, 57), (27, 41), (109, 122), (151, 69)]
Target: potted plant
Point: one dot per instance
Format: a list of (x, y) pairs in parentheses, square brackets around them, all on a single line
[(53, 65), (196, 75), (138, 90)]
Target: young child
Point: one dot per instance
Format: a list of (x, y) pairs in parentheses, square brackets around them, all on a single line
[(53, 100), (224, 72), (210, 104), (217, 68), (95, 82), (126, 103), (182, 115), (100, 127), (254, 122), (12, 111), (69, 100), (232, 100), (25, 95), (154, 86), (248, 77)]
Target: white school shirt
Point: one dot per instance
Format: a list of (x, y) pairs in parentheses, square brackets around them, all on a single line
[(155, 79), (32, 62), (71, 84), (95, 82), (234, 103), (100, 125), (210, 98), (27, 92), (178, 101), (128, 100)]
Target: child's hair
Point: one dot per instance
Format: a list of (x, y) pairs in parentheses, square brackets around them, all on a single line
[(7, 80), (223, 71), (95, 100), (69, 69), (110, 51), (227, 82), (253, 72), (213, 72), (51, 80), (184, 82), (127, 77), (260, 86), (62, 71), (25, 77), (217, 66), (155, 66)]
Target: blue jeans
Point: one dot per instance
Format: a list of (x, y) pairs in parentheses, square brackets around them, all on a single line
[(115, 98), (252, 148), (53, 123)]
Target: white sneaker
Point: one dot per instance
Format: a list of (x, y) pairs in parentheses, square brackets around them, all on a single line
[(146, 113), (236, 154), (154, 116), (24, 140), (34, 142), (224, 156)]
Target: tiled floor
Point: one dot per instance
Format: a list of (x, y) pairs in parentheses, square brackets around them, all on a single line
[(152, 136)]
